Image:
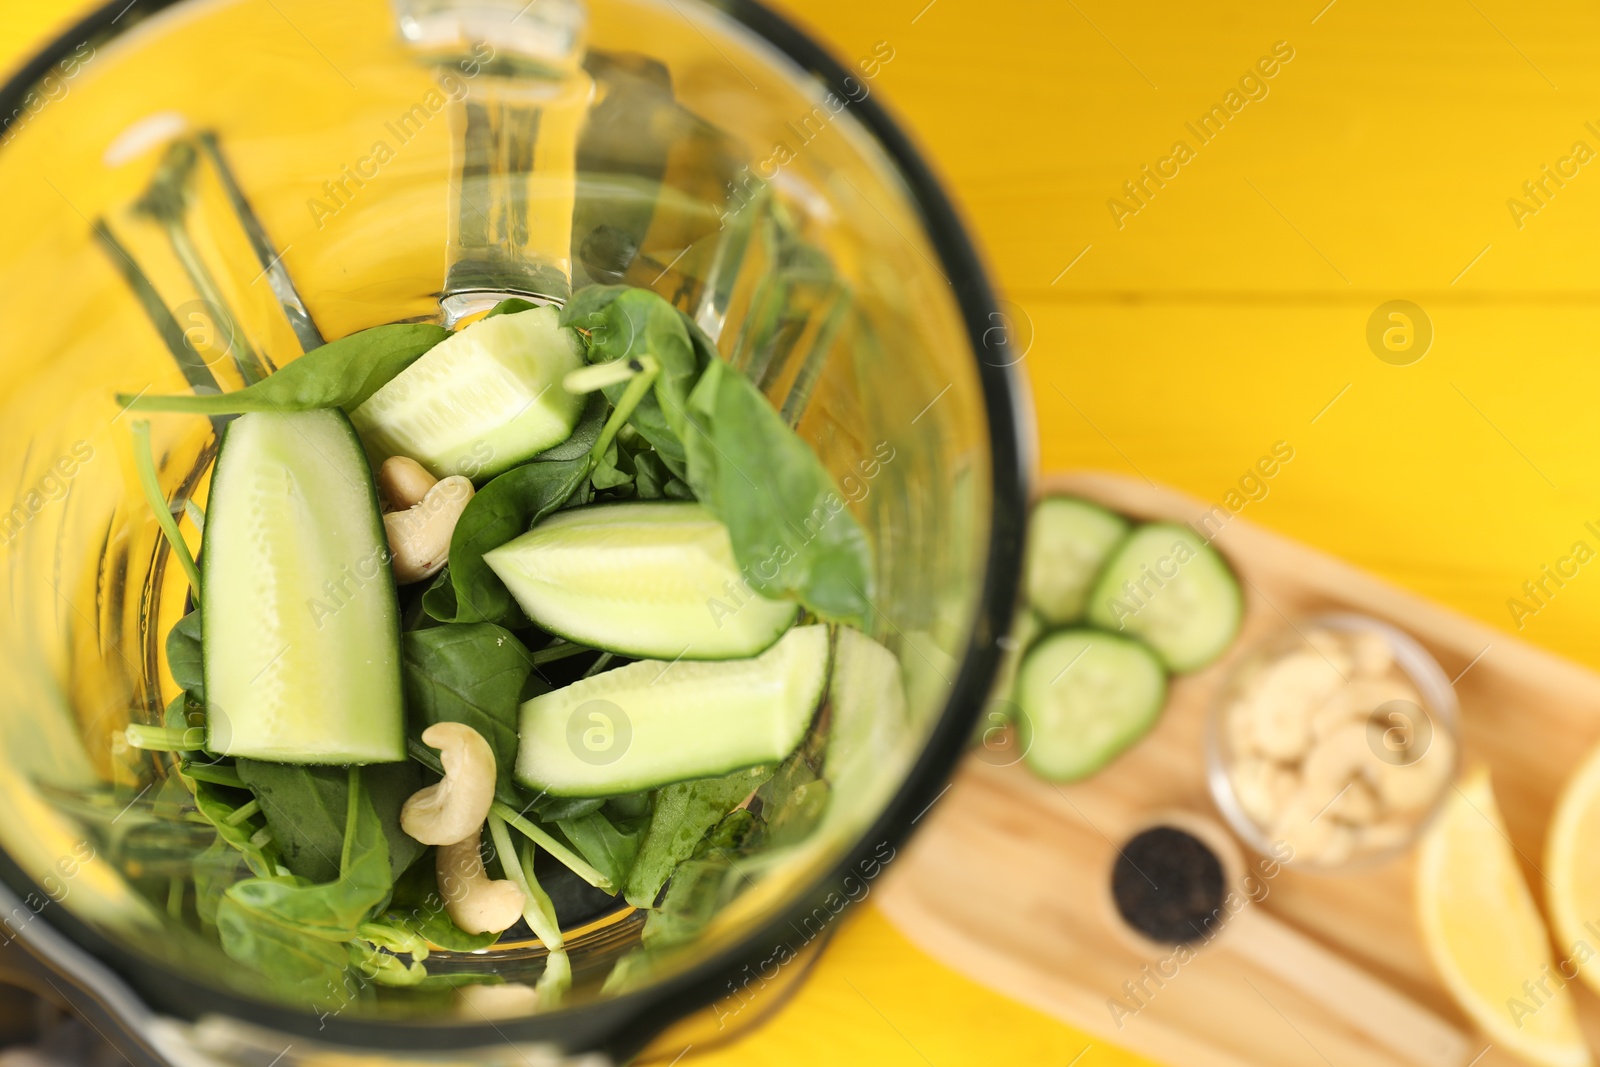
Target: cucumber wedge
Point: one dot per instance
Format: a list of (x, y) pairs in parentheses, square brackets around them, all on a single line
[(1083, 697), (300, 627), (481, 401), (653, 722), (1168, 586), (655, 580), (1069, 541)]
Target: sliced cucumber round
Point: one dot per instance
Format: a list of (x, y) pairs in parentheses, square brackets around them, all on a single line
[(1069, 541), (300, 628), (1168, 586), (1084, 696), (481, 401), (655, 722), (654, 579)]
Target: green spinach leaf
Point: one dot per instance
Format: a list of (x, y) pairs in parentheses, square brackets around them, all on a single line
[(610, 848), (297, 964), (505, 508), (215, 870), (471, 673), (654, 480), (364, 863), (739, 830), (787, 808), (340, 374), (306, 809), (285, 926), (185, 711), (700, 888), (793, 534), (183, 655), (708, 881), (551, 809), (510, 306), (331, 909), (613, 470), (628, 806), (679, 818), (622, 322), (792, 804), (221, 806)]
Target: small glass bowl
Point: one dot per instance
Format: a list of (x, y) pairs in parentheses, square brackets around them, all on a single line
[(1398, 734)]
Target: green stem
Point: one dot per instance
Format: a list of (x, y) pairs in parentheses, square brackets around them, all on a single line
[(551, 933), (352, 811), (600, 663), (196, 514), (557, 977), (643, 379), (558, 650), (165, 739), (537, 909), (213, 773), (243, 813), (571, 860), (599, 375), (145, 460), (175, 892)]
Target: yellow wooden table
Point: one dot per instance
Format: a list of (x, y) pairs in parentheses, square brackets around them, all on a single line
[(1196, 212)]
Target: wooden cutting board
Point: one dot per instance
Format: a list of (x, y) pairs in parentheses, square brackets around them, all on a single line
[(1006, 879)]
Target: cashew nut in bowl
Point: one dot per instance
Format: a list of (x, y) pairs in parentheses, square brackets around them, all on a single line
[(403, 482), (503, 1000), (1355, 805), (454, 807), (475, 903), (419, 537), (1341, 750)]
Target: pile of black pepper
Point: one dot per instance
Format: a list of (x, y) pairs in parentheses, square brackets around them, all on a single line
[(1167, 884)]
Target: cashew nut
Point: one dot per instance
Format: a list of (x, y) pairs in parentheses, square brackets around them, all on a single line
[(1372, 651), (1300, 827), (1341, 756), (1329, 645), (1356, 806), (419, 537), (503, 1000), (456, 806), (1414, 786), (1281, 730), (473, 902), (1263, 787), (1280, 698), (404, 482)]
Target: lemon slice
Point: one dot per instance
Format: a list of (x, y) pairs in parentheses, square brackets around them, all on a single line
[(1572, 863), (1485, 935)]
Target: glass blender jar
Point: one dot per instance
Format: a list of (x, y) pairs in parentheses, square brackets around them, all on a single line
[(199, 191)]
